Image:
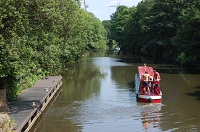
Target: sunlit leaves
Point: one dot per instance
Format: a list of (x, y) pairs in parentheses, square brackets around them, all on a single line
[(39, 37), (119, 19), (159, 30)]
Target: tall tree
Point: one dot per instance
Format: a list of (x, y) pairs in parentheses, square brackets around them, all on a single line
[(188, 36), (159, 26), (39, 37), (118, 21), (133, 29), (107, 24)]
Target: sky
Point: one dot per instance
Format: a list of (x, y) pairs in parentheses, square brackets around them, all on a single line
[(102, 9)]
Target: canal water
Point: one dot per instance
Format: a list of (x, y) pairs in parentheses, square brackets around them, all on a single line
[(98, 96)]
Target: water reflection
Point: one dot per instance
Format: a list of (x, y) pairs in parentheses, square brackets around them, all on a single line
[(81, 80), (150, 114), (195, 93), (97, 96)]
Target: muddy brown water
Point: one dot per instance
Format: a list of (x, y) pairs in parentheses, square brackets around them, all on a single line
[(98, 96)]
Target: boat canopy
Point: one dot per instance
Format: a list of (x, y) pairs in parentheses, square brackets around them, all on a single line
[(143, 69)]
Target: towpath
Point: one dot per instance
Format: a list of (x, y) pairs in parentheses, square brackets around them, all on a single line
[(29, 105)]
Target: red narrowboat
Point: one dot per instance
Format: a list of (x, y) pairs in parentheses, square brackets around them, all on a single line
[(147, 91)]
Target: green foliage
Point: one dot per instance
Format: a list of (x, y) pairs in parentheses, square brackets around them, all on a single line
[(159, 26), (158, 30), (188, 36), (134, 29), (119, 20), (37, 38)]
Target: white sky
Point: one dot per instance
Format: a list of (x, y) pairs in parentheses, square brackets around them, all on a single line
[(102, 9)]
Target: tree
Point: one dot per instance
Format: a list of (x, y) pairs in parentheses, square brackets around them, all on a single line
[(39, 37), (118, 21), (159, 26), (188, 36), (107, 24), (133, 29)]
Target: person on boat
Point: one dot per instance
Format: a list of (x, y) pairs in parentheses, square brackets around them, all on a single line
[(156, 80), (146, 79), (156, 76)]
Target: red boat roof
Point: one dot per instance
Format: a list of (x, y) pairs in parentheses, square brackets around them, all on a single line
[(142, 69)]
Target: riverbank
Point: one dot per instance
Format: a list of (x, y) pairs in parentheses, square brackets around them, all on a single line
[(32, 102)]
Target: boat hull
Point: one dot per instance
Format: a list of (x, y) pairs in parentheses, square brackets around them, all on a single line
[(149, 98)]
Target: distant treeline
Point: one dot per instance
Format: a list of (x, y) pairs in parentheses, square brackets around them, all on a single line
[(159, 30), (38, 37)]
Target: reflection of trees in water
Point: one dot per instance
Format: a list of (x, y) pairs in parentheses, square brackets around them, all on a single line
[(178, 84), (195, 93), (126, 59), (123, 75), (81, 80), (151, 115), (172, 69)]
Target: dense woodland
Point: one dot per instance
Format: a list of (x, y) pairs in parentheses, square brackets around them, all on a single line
[(159, 30), (39, 37)]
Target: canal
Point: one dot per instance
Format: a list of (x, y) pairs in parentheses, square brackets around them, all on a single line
[(98, 96)]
